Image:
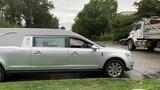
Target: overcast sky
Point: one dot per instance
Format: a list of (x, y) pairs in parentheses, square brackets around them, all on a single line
[(66, 10)]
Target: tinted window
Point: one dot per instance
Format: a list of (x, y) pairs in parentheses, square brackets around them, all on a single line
[(138, 26), (155, 21), (77, 43), (49, 42)]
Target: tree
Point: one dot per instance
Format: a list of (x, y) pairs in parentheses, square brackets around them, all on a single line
[(35, 13), (13, 11), (2, 4), (94, 19), (148, 8), (122, 25)]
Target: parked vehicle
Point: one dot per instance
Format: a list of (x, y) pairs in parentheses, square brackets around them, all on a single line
[(146, 33), (48, 50), (123, 41)]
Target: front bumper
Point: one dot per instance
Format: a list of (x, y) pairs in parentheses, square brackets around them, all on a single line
[(130, 66)]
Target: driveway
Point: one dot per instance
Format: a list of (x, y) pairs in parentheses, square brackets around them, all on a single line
[(147, 66)]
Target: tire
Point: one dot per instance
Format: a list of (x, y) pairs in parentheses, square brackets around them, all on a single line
[(2, 74), (114, 69), (151, 46), (131, 45)]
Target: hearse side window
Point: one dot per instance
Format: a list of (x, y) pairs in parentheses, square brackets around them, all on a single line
[(48, 42), (77, 43)]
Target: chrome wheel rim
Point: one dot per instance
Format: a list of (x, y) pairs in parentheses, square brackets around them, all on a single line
[(115, 69)]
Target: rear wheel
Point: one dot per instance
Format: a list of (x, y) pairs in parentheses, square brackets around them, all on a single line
[(2, 74), (131, 45), (114, 69), (151, 45)]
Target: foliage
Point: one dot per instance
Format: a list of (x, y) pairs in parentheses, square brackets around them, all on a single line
[(94, 19), (104, 38), (122, 25), (2, 4), (35, 13), (5, 24), (148, 8)]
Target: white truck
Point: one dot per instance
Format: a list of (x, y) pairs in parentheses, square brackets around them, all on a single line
[(145, 33)]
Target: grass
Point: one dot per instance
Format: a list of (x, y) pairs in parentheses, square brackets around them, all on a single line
[(83, 84)]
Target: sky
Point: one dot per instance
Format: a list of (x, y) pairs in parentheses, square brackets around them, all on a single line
[(67, 10)]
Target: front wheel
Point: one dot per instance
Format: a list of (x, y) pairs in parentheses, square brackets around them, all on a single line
[(131, 45), (2, 74), (114, 69)]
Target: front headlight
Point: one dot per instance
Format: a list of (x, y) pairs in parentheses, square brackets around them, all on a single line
[(128, 54)]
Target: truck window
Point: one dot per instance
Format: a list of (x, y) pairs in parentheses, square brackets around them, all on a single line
[(155, 22), (48, 42), (138, 26)]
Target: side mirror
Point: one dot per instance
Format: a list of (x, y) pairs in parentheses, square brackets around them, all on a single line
[(94, 47)]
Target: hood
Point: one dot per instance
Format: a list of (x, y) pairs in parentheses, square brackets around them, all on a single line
[(112, 49)]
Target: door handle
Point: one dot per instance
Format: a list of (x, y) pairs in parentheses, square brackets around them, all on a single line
[(74, 53), (37, 53)]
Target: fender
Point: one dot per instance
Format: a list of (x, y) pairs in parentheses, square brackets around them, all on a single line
[(115, 56), (2, 63), (124, 63)]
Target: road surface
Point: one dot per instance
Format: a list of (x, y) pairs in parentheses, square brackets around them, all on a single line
[(147, 64)]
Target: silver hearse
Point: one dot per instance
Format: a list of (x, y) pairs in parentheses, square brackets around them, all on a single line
[(48, 50)]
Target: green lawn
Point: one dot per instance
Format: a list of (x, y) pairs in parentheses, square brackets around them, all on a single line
[(82, 84)]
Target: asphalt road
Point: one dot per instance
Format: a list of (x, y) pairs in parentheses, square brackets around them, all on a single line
[(147, 66), (147, 63)]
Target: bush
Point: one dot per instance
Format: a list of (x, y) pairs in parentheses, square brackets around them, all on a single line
[(104, 38), (5, 24)]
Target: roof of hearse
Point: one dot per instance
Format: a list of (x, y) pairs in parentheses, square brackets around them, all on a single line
[(14, 36), (37, 31)]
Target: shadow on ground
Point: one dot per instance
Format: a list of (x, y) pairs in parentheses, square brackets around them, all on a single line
[(157, 51), (52, 76), (56, 76), (152, 76)]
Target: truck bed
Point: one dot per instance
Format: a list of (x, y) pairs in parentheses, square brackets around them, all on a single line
[(151, 34)]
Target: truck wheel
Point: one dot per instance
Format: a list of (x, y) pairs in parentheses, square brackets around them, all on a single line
[(114, 69), (151, 45), (2, 74), (131, 45)]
